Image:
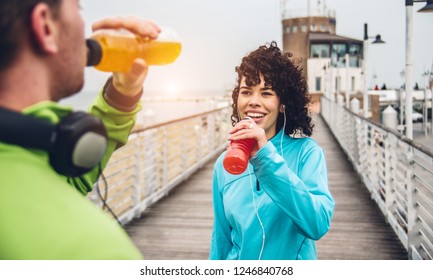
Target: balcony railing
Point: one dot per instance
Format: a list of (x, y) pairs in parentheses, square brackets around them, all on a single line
[(287, 13)]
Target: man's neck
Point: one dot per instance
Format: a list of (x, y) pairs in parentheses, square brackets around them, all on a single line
[(24, 84)]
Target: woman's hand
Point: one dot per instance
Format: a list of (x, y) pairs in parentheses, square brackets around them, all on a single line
[(247, 128), (130, 83)]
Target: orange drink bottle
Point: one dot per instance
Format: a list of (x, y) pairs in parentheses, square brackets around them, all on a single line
[(237, 157), (114, 50)]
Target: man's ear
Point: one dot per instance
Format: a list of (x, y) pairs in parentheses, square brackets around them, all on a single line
[(43, 28)]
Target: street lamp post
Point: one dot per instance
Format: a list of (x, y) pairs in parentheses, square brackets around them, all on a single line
[(401, 101), (364, 74), (346, 58), (409, 62), (408, 70), (378, 40), (425, 74)]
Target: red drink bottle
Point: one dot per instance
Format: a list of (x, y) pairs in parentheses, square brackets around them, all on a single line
[(236, 159)]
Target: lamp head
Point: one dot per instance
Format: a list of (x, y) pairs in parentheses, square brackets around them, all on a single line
[(428, 8), (378, 40)]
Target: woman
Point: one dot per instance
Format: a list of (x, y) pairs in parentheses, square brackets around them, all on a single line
[(281, 203)]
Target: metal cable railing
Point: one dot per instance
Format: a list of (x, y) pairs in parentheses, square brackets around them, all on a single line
[(159, 157), (397, 171)]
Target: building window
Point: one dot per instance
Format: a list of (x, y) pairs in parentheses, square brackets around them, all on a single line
[(319, 50), (313, 27), (323, 27), (318, 83), (304, 28), (295, 29), (353, 84), (354, 55), (337, 55), (287, 29)]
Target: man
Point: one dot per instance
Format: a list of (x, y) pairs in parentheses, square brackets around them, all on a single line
[(43, 214)]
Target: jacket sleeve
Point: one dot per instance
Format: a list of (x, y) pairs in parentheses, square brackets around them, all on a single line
[(119, 119), (220, 242), (304, 195)]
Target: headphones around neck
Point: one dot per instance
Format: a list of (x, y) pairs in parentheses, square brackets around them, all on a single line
[(75, 145)]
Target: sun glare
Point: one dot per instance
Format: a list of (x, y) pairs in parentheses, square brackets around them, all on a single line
[(172, 90)]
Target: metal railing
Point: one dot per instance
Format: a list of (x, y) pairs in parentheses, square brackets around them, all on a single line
[(288, 13), (157, 158), (397, 171)]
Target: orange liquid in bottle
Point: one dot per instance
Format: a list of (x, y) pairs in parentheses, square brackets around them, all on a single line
[(120, 50)]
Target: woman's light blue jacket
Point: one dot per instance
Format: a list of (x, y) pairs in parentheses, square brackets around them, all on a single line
[(277, 207)]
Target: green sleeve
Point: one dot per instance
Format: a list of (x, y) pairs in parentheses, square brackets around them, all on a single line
[(119, 124)]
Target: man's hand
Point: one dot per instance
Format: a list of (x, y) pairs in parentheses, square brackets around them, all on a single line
[(130, 83)]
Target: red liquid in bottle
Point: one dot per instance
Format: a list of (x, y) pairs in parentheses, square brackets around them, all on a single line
[(236, 159)]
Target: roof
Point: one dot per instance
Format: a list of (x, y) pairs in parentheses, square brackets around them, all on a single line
[(330, 38)]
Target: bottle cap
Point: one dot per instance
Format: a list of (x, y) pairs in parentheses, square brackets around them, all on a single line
[(94, 52), (168, 34)]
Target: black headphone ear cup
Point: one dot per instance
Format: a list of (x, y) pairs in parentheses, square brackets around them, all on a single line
[(80, 141)]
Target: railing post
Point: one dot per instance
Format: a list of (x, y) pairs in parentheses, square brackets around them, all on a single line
[(164, 158), (412, 238), (340, 124), (151, 158), (350, 123), (340, 100), (211, 123), (354, 105), (136, 197), (354, 123), (389, 197), (185, 139), (371, 170), (356, 127), (365, 150)]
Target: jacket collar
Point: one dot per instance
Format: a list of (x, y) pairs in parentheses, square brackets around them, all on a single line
[(48, 110)]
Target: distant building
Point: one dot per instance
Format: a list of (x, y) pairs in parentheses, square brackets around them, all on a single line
[(311, 36)]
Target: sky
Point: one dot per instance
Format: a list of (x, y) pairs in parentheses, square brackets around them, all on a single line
[(216, 35)]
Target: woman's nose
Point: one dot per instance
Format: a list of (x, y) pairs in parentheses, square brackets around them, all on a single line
[(254, 100)]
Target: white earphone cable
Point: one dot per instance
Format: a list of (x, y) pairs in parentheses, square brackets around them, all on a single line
[(282, 134), (256, 207), (256, 210)]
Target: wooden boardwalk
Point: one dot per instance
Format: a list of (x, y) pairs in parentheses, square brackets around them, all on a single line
[(180, 225)]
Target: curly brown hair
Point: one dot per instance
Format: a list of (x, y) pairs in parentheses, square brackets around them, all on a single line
[(284, 76)]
